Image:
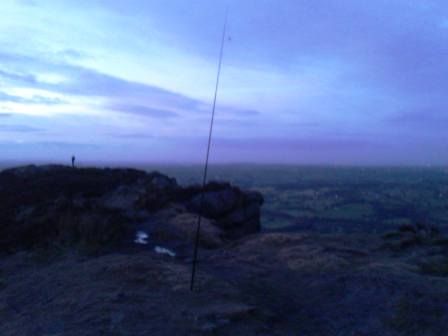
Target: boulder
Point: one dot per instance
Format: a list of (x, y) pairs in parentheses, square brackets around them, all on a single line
[(215, 204), (124, 198), (182, 228), (160, 191), (236, 212)]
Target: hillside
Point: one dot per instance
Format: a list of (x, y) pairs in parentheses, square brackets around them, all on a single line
[(69, 264)]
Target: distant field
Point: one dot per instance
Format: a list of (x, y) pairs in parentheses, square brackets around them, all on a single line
[(335, 198)]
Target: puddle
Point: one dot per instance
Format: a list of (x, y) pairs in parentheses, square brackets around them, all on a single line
[(141, 237), (163, 250)]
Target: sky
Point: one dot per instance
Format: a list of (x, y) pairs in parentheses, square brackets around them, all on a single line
[(348, 82)]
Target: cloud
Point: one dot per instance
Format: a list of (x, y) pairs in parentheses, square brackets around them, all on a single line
[(316, 150), (132, 136), (249, 113), (87, 82), (429, 117), (120, 94), (30, 3), (20, 129), (19, 78), (33, 145), (307, 144), (277, 144), (312, 68), (238, 112), (144, 111), (64, 145), (39, 100), (72, 54)]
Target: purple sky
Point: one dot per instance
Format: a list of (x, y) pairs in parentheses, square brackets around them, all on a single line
[(316, 82)]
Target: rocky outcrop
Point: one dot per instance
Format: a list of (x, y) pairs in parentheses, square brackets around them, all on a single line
[(181, 228), (43, 204), (63, 221), (235, 212)]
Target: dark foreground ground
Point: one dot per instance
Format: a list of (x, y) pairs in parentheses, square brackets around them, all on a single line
[(68, 264), (267, 284)]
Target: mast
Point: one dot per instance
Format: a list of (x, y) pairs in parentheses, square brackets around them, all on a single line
[(204, 177)]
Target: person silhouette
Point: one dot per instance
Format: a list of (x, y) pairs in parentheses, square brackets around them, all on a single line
[(73, 161)]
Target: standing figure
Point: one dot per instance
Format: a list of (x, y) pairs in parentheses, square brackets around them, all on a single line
[(73, 161)]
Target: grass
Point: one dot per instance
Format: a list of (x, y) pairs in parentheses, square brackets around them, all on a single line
[(435, 266), (349, 212), (391, 235), (443, 241), (414, 316)]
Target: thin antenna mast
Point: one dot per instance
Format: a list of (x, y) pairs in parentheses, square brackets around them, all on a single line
[(204, 180)]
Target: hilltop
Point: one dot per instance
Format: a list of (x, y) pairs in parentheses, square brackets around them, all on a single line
[(69, 264), (48, 205)]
